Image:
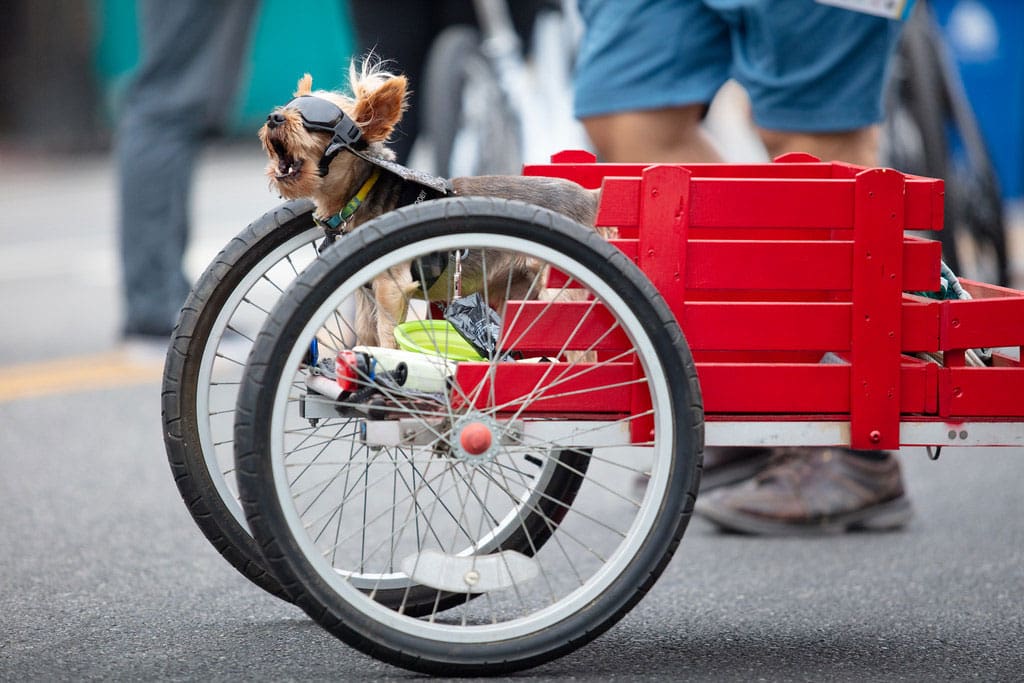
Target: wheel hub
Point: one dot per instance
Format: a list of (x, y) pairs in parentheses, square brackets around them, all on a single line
[(475, 439)]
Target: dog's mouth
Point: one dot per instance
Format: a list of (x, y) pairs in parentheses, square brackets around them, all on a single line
[(288, 167)]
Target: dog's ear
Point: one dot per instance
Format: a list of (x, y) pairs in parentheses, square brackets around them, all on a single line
[(377, 111), (304, 86)]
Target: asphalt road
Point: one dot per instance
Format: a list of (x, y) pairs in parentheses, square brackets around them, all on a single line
[(105, 577)]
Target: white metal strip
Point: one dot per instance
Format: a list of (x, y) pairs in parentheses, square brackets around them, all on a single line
[(837, 433)]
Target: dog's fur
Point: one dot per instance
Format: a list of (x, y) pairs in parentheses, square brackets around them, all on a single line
[(376, 105)]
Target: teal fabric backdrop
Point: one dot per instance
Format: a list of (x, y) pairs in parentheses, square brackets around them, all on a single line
[(291, 38)]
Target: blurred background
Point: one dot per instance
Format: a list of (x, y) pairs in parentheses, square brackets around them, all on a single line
[(64, 66)]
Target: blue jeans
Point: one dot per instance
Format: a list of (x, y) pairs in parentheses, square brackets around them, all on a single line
[(192, 52)]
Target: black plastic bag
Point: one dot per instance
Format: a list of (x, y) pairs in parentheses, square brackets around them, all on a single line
[(478, 323)]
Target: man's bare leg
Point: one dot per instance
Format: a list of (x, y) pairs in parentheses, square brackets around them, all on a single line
[(670, 135), (856, 146)]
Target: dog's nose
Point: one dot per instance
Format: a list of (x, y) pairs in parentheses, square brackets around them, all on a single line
[(275, 119)]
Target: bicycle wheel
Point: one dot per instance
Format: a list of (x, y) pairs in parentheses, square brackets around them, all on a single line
[(204, 365), (466, 117), (398, 529), (931, 130)]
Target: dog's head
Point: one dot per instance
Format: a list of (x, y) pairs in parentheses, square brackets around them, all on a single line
[(305, 138)]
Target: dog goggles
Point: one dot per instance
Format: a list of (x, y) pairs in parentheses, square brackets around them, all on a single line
[(323, 115)]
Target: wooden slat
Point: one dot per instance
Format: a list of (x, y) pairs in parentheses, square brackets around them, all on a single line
[(620, 203), (921, 259), (742, 203), (766, 264), (982, 323), (548, 387), (744, 326), (981, 392), (919, 324), (774, 388), (760, 203), (779, 388), (542, 328), (592, 175), (772, 203), (797, 265), (924, 206), (919, 381)]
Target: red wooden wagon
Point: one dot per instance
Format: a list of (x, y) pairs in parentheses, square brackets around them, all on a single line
[(769, 267), (476, 512)]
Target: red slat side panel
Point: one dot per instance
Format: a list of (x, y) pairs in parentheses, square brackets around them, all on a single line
[(774, 388), (741, 326), (742, 203), (550, 387), (779, 388), (981, 392), (543, 328), (925, 201), (743, 388), (920, 323), (793, 264), (983, 323), (591, 175)]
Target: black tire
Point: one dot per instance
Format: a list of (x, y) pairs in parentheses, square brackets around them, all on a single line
[(457, 69), (623, 555), (206, 493)]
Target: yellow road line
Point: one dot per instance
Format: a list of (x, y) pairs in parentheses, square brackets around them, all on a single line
[(76, 374)]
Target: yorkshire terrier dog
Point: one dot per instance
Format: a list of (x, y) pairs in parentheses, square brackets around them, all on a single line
[(331, 147)]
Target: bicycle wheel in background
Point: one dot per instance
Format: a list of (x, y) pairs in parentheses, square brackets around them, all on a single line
[(215, 331), (476, 518), (931, 130), (466, 116)]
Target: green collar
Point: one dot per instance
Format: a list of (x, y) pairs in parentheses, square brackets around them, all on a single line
[(337, 222)]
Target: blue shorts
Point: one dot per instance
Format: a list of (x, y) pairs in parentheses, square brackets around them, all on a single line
[(806, 66)]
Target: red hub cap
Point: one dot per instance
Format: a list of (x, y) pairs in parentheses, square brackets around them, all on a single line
[(475, 438)]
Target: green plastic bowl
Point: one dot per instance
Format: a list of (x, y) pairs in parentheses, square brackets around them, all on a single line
[(436, 338)]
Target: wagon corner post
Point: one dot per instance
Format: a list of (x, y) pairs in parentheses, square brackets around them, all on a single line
[(661, 253), (879, 203)]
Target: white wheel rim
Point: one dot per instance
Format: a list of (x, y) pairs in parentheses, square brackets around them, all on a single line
[(646, 517), (209, 443)]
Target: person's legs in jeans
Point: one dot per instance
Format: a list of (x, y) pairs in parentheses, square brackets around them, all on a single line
[(191, 56)]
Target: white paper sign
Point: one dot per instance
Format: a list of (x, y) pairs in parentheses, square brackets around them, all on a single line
[(890, 9)]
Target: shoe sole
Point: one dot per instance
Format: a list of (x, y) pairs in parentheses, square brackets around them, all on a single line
[(887, 516)]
